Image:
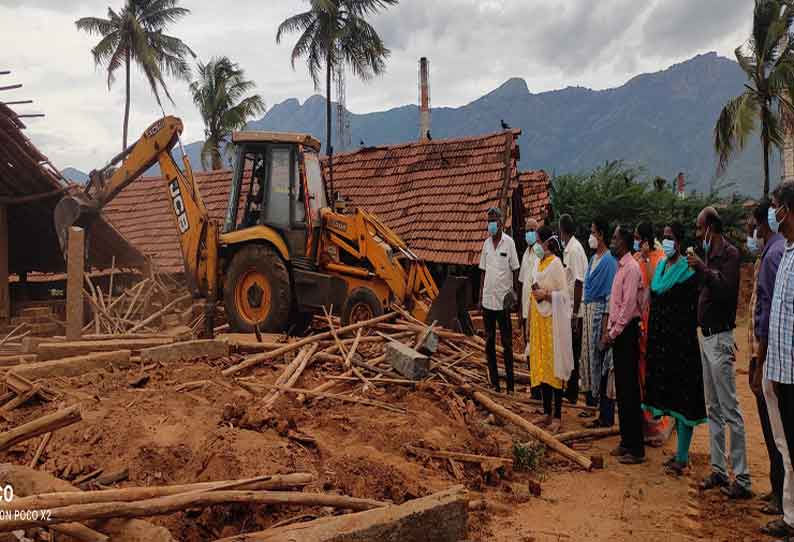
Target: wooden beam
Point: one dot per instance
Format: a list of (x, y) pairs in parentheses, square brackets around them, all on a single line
[(5, 298), (74, 283)]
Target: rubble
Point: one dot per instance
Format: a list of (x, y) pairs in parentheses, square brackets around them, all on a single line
[(339, 402)]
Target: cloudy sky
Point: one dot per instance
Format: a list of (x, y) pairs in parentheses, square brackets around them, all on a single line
[(473, 46)]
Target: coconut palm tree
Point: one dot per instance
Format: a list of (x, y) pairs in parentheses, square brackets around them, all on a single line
[(219, 93), (334, 32), (768, 60), (136, 35)]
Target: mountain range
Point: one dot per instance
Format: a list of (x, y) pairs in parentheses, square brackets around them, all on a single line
[(662, 121)]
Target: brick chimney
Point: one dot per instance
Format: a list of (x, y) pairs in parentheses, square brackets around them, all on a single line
[(424, 98)]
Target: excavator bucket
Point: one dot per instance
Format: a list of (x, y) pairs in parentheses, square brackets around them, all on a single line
[(449, 307), (72, 210)]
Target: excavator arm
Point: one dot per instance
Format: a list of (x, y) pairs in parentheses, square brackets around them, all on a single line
[(198, 236)]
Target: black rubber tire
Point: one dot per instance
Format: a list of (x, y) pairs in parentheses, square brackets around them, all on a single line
[(361, 296), (267, 262)]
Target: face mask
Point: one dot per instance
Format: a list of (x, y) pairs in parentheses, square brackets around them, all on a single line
[(531, 236), (538, 251), (752, 245), (636, 246), (593, 242), (774, 225), (668, 245), (493, 227)]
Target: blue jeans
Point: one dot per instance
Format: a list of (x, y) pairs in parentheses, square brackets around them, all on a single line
[(718, 352)]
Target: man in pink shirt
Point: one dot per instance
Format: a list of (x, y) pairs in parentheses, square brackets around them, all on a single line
[(622, 335)]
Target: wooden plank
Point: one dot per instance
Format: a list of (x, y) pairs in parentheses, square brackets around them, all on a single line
[(69, 349), (74, 283), (76, 365)]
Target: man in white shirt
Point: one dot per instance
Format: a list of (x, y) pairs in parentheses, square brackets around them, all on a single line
[(575, 261), (526, 275), (499, 261)]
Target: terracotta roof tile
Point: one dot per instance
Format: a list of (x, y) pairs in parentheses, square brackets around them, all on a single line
[(433, 194)]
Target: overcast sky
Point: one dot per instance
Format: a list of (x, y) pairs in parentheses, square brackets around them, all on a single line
[(473, 47)]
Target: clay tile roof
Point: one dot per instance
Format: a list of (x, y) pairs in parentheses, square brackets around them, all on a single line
[(434, 194), (31, 187), (142, 212), (535, 186)]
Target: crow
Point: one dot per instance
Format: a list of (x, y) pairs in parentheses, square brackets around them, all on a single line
[(429, 137), (361, 142), (505, 126)]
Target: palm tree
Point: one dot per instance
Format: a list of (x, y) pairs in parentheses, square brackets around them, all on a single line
[(768, 60), (136, 35), (219, 95), (335, 32)]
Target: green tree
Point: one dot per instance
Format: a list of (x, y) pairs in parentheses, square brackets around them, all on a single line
[(768, 61), (334, 32), (621, 195), (136, 34), (220, 95)]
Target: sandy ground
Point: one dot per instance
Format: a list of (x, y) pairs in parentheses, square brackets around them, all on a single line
[(219, 431), (627, 503)]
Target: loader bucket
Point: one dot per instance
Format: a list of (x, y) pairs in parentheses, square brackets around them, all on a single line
[(72, 210), (449, 307)]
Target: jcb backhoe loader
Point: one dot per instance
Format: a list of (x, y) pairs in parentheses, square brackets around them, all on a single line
[(281, 253)]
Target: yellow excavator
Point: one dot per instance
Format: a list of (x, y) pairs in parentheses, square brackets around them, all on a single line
[(281, 253)]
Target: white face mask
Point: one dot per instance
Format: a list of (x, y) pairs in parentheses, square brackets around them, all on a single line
[(593, 242)]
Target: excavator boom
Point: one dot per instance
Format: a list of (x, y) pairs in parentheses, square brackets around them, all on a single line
[(197, 235)]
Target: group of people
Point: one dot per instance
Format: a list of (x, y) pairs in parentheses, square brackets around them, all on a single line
[(646, 322)]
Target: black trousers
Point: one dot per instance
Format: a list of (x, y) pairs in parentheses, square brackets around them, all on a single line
[(785, 399), (776, 471), (490, 319), (626, 354), (551, 395), (572, 391)]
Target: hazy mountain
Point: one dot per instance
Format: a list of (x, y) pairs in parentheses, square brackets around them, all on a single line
[(663, 121), (75, 175)]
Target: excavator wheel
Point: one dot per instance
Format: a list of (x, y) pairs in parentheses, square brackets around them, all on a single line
[(257, 290), (361, 305)]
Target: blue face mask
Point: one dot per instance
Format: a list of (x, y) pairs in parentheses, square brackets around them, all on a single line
[(774, 225), (538, 251), (531, 237), (752, 243), (636, 246), (668, 245), (493, 227)]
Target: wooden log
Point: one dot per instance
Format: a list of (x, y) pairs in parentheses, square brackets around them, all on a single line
[(161, 312), (535, 431), (13, 331), (39, 426), (581, 434), (256, 360), (305, 358), (40, 450), (131, 494), (48, 351), (459, 456), (10, 361), (20, 400), (75, 366), (343, 398), (140, 287), (176, 503)]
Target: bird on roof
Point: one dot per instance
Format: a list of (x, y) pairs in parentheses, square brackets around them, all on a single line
[(505, 126), (429, 137), (361, 142)]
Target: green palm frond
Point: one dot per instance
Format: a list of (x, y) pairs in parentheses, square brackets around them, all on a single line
[(219, 93), (736, 122)]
